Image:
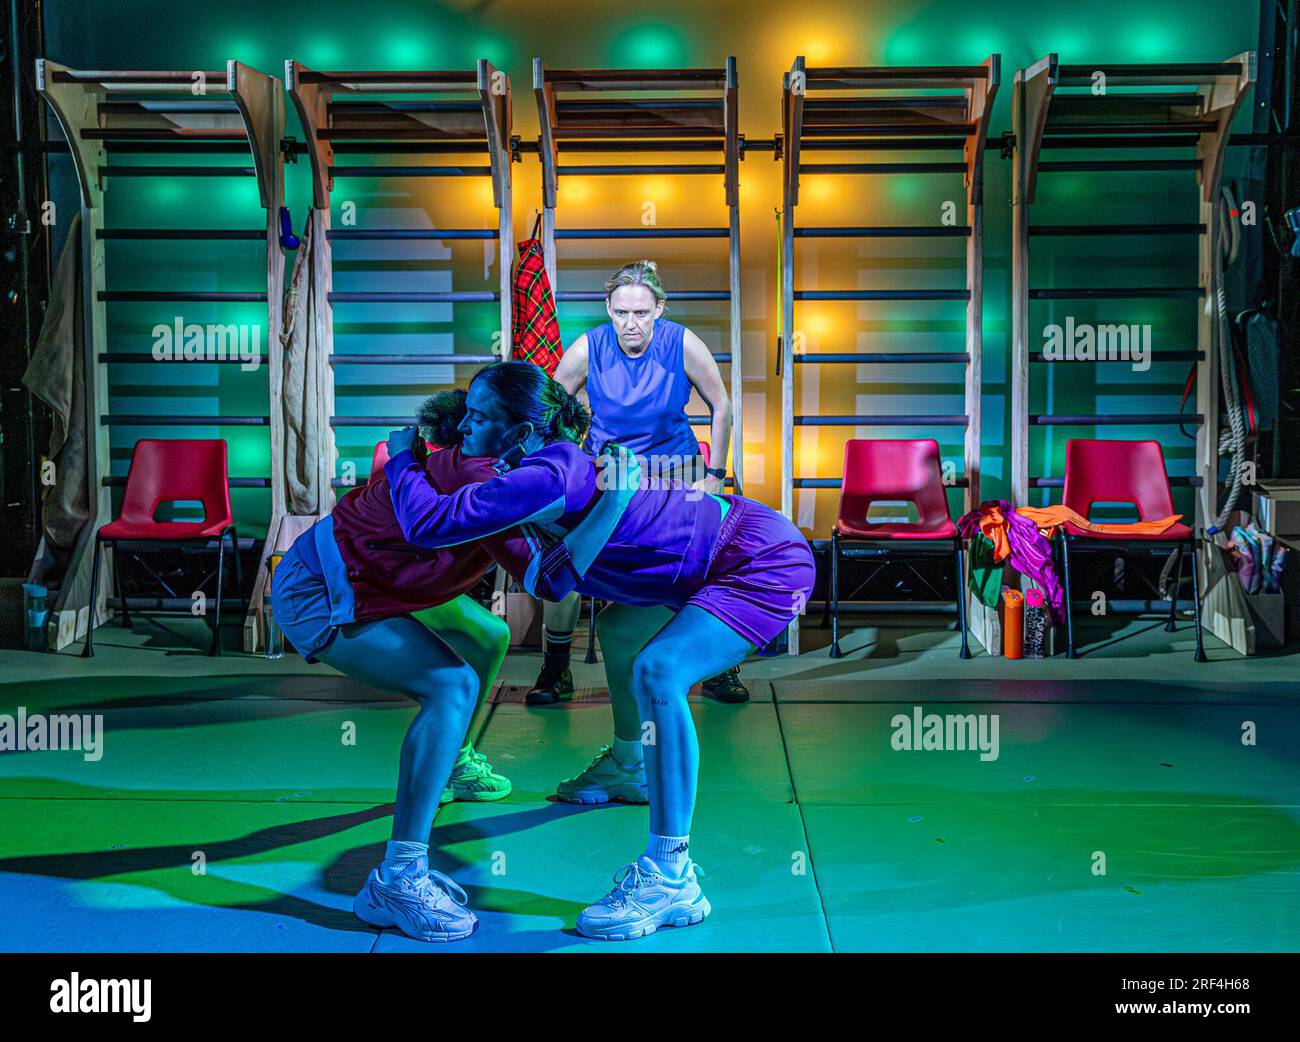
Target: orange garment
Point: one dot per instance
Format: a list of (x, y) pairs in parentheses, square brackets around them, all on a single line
[(1048, 519), (997, 530)]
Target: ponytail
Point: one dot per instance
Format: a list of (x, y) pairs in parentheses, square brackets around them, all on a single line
[(527, 394)]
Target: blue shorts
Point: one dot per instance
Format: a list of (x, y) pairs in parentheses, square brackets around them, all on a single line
[(300, 601)]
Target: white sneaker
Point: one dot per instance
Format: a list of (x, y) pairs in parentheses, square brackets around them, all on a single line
[(644, 899), (606, 779), (421, 902)]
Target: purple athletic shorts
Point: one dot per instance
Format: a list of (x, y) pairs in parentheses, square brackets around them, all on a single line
[(761, 574)]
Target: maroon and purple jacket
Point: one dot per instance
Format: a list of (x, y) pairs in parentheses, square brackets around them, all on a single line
[(391, 576), (659, 553)]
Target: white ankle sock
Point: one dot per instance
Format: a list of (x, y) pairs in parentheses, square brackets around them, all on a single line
[(628, 752), (398, 855), (671, 853)]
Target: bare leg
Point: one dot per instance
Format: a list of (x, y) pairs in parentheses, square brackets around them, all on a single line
[(623, 630), (402, 656), (694, 645)]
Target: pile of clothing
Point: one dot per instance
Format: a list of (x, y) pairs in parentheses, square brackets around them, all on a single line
[(1000, 533), (1260, 559)]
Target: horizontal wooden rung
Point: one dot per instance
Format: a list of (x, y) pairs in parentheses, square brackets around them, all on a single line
[(444, 297), (895, 231), (910, 420), (409, 359), (157, 420), (1113, 420), (885, 358), (592, 295), (882, 294), (636, 79), (1118, 293), (1149, 74)]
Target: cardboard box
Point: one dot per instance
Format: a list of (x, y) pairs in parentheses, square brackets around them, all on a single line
[(1276, 505), (1268, 613)]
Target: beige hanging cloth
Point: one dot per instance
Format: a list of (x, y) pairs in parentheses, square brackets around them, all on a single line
[(56, 375), (301, 390)]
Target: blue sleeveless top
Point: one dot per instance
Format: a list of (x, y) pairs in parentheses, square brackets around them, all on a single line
[(640, 402)]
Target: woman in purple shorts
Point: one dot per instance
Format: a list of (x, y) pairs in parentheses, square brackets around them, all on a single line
[(732, 571)]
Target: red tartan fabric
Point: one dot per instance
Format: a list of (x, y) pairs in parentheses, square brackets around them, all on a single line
[(536, 333)]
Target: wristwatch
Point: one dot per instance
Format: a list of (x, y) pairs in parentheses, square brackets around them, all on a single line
[(718, 472)]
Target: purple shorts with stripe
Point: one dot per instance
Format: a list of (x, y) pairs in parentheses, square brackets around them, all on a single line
[(761, 574)]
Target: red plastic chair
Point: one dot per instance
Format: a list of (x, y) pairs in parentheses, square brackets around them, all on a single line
[(894, 470), (1133, 472), (380, 458), (179, 470)]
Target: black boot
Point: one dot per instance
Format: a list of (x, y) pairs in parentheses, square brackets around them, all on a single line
[(554, 682), (726, 687)]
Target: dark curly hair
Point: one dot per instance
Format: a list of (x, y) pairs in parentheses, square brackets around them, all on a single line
[(439, 417)]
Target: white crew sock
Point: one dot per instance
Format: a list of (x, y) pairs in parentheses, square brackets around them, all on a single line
[(628, 752), (671, 853), (398, 856)]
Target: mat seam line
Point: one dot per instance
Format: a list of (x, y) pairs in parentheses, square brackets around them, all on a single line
[(803, 825)]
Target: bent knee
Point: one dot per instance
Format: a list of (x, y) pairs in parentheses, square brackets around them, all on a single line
[(656, 676), (455, 689), (498, 635)]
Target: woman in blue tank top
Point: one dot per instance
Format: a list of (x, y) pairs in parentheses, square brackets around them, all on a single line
[(639, 369)]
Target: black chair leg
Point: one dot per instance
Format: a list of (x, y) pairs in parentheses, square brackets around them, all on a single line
[(591, 632), (221, 573), (960, 558), (835, 595), (1196, 602), (239, 576), (1177, 580), (117, 586), (1069, 609), (89, 650)]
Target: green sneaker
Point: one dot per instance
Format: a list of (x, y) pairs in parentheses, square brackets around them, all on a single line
[(474, 781)]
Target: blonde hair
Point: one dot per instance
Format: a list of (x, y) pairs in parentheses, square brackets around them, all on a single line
[(638, 273)]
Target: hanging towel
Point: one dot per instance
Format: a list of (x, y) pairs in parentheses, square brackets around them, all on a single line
[(536, 332), (301, 387), (1048, 519), (57, 377)]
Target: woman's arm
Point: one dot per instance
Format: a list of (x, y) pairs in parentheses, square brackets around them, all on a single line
[(556, 571), (571, 373), (703, 373), (528, 494)]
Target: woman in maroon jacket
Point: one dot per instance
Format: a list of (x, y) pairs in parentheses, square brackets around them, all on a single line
[(345, 594)]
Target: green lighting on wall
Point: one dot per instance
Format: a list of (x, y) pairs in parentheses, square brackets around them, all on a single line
[(407, 50), (250, 52), (1153, 43), (902, 48), (649, 46), (320, 53), (494, 49)]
